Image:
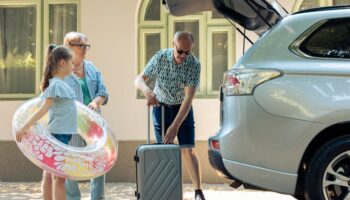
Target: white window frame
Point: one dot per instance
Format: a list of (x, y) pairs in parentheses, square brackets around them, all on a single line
[(38, 57), (152, 24), (142, 51), (47, 4), (216, 22), (230, 54), (42, 37)]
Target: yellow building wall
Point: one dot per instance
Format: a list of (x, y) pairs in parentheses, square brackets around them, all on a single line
[(111, 29)]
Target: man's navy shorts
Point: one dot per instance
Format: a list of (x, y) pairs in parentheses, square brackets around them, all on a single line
[(185, 135)]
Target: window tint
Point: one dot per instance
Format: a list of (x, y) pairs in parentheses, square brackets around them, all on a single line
[(153, 11), (331, 40), (152, 45), (62, 19), (219, 57), (17, 49), (26, 28)]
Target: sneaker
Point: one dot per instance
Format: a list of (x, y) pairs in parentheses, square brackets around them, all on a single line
[(199, 195)]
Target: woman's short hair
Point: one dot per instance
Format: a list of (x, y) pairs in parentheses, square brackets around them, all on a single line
[(73, 37)]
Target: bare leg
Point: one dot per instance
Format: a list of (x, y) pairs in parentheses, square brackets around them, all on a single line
[(59, 192), (46, 186), (193, 166)]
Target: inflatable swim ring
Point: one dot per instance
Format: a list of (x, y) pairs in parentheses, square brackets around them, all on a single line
[(74, 163)]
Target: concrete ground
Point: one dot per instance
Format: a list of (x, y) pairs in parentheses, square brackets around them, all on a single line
[(125, 191)]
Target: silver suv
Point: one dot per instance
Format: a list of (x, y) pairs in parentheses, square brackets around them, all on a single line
[(285, 105)]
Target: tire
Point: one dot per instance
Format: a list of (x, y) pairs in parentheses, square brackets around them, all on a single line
[(298, 197), (328, 176)]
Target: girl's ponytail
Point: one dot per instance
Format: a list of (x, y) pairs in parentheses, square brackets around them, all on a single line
[(48, 68), (53, 54)]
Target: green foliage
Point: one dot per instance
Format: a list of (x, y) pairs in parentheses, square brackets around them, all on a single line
[(25, 60)]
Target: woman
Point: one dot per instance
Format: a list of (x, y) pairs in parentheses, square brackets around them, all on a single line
[(87, 83)]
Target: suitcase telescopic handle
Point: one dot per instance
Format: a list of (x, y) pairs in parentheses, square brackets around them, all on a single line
[(149, 124), (163, 127)]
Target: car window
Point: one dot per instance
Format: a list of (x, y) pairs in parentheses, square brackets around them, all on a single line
[(331, 40)]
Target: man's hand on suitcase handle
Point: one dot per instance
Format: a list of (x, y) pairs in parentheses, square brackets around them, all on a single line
[(151, 98), (170, 134)]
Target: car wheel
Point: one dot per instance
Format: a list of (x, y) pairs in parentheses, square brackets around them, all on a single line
[(328, 176), (298, 197)]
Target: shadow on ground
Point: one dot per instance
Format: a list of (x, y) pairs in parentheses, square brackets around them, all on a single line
[(126, 191)]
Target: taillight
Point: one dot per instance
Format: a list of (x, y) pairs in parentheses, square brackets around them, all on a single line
[(215, 144), (243, 81)]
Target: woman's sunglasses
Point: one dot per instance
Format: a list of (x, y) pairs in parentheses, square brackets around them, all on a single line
[(82, 46)]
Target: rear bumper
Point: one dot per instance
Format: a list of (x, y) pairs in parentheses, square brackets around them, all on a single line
[(260, 148), (215, 160)]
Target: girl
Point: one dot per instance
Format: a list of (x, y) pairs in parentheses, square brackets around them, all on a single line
[(58, 100)]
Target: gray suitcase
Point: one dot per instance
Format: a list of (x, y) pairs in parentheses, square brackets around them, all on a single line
[(158, 169)]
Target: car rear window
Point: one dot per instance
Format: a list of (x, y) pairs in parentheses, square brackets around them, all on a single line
[(255, 15), (331, 40)]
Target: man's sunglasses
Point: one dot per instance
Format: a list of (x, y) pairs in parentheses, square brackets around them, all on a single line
[(180, 51)]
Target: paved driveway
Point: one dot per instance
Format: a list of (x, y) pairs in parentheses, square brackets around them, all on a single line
[(125, 191)]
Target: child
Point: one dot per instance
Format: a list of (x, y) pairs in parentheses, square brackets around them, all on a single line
[(58, 100)]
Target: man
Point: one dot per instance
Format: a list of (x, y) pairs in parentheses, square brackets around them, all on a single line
[(177, 74)]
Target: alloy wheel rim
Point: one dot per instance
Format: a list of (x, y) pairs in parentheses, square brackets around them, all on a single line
[(336, 178)]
